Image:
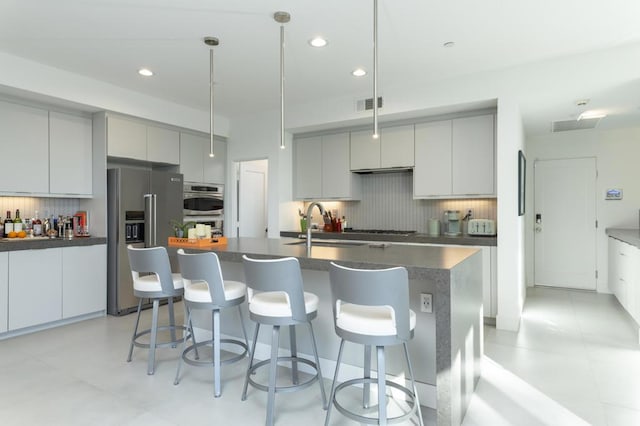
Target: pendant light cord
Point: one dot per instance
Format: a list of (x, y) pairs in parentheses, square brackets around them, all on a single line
[(375, 69), (211, 152), (282, 145)]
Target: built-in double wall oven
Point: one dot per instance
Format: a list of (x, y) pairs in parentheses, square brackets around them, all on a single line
[(204, 203)]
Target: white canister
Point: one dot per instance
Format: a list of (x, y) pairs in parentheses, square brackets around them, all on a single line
[(434, 227), (191, 233), (207, 231), (200, 230)]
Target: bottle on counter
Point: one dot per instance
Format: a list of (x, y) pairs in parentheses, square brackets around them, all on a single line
[(17, 222), (8, 223), (344, 223), (37, 226)]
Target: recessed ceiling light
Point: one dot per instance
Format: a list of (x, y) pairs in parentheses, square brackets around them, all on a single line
[(449, 44), (318, 42), (145, 72), (358, 72)]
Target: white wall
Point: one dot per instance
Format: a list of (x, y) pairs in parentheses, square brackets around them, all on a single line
[(511, 283), (617, 153)]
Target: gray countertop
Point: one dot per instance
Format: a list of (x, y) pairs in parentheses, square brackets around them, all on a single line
[(420, 261), (631, 236), (463, 240), (15, 244)]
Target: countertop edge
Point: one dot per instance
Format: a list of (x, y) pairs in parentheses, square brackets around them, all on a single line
[(631, 236), (463, 240), (39, 244)]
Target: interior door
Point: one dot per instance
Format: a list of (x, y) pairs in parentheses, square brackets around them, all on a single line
[(252, 199), (565, 223)]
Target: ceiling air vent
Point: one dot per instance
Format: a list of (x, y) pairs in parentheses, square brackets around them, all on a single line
[(367, 104), (566, 125)]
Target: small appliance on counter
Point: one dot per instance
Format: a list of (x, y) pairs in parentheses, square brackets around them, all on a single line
[(482, 227), (452, 225)]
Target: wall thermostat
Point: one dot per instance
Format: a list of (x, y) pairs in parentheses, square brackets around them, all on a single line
[(614, 194)]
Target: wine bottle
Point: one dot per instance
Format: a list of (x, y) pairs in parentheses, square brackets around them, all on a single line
[(37, 226), (17, 222), (8, 223)]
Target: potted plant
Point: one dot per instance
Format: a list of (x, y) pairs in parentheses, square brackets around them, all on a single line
[(181, 229)]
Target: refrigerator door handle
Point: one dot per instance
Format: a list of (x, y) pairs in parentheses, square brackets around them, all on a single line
[(150, 236)]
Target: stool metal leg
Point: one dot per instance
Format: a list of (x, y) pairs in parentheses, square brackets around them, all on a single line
[(215, 318), (333, 385), (135, 330), (154, 338), (294, 354), (317, 359), (244, 331), (273, 369), (413, 384), (367, 375), (382, 401), (253, 352), (187, 333), (172, 321)]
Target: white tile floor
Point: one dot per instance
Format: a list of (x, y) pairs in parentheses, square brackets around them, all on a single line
[(575, 361)]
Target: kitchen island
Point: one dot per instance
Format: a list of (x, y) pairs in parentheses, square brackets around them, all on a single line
[(447, 348)]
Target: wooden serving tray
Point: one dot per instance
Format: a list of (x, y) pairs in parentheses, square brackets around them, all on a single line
[(197, 243)]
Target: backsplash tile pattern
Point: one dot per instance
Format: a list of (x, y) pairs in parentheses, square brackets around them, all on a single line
[(387, 203), (28, 206)]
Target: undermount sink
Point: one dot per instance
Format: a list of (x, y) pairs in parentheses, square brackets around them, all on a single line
[(328, 243)]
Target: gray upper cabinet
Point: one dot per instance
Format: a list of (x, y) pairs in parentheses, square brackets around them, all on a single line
[(397, 146), (195, 163), (308, 168), (473, 150), (455, 158), (70, 143), (126, 138), (24, 138), (136, 140), (321, 169), (365, 151), (432, 172), (393, 149), (163, 145)]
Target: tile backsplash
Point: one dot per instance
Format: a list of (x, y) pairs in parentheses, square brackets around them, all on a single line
[(28, 206), (387, 203)]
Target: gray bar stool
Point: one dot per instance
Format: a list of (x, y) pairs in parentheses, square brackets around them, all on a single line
[(277, 298), (371, 307), (159, 284), (204, 288)]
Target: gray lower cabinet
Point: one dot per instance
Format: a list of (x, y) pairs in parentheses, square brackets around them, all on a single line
[(4, 291), (35, 287), (47, 285), (84, 284), (624, 275)]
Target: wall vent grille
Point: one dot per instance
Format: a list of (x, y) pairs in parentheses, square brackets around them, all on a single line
[(367, 104), (567, 125)]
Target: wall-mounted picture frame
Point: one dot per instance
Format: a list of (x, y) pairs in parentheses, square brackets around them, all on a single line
[(522, 174)]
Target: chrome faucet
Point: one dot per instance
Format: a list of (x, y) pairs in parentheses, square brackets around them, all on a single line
[(309, 220)]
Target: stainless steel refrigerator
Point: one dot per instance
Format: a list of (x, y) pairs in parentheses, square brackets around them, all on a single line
[(140, 205)]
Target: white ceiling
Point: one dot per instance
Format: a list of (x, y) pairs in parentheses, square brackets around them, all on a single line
[(110, 40)]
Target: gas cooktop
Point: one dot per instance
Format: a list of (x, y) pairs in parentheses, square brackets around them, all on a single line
[(379, 231)]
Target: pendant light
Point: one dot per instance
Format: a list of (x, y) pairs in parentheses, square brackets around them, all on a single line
[(211, 42), (375, 69), (282, 18)]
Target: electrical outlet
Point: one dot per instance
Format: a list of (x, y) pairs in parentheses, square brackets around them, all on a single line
[(426, 302)]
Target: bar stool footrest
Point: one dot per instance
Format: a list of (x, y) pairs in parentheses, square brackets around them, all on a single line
[(209, 362), (374, 420), (172, 343), (283, 389)]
